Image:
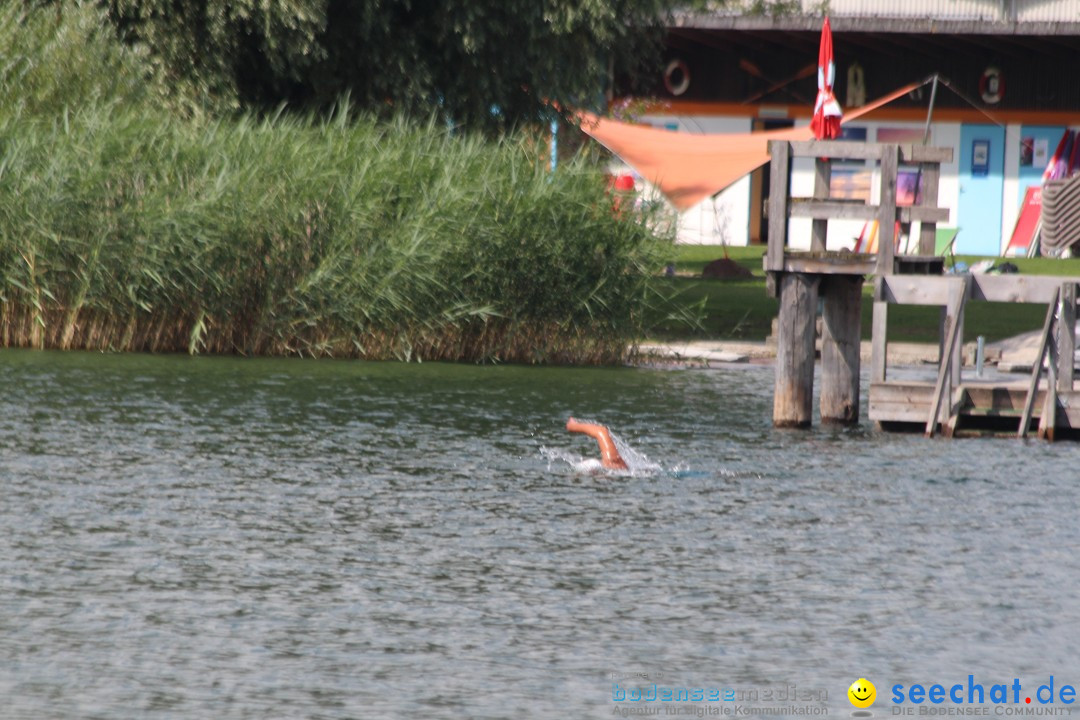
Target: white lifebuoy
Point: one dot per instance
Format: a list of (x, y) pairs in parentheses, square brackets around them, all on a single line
[(677, 77), (992, 86)]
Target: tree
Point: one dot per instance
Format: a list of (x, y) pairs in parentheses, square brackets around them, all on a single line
[(486, 64)]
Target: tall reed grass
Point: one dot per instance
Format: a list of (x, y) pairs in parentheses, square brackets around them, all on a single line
[(125, 226)]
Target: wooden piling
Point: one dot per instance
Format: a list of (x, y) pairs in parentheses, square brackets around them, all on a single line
[(797, 277), (1066, 342), (794, 393), (841, 331)]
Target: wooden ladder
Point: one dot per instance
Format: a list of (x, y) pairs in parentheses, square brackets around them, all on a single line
[(1061, 310), (954, 320)]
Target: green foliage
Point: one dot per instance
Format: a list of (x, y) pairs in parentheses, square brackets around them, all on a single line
[(741, 309), (482, 63), (64, 59), (773, 7), (127, 225), (128, 230)]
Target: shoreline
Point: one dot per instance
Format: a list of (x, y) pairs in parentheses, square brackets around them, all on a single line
[(706, 353)]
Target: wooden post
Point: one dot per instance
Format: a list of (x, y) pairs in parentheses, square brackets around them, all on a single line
[(1066, 343), (1036, 370), (820, 226), (955, 309), (841, 333), (793, 396), (1048, 420), (779, 179), (931, 174), (879, 348), (890, 160), (948, 371)]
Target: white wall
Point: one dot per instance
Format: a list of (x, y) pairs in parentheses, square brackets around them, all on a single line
[(948, 135)]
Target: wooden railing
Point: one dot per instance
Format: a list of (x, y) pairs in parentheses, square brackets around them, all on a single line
[(822, 208)]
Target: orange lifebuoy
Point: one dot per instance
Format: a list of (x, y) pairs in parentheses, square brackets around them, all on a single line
[(609, 454)]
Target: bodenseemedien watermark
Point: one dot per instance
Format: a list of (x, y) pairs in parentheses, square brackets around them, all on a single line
[(633, 697)]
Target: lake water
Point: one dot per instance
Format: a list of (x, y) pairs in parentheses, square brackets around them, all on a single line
[(228, 538)]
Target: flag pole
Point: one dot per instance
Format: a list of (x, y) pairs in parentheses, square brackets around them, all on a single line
[(930, 110)]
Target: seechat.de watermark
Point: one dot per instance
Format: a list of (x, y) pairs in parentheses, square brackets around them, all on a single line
[(972, 698)]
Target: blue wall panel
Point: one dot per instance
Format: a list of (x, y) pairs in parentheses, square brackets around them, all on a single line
[(982, 182)]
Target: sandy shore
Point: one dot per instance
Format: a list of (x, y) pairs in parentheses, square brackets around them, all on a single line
[(704, 353)]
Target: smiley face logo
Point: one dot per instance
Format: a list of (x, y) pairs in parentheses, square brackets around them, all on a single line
[(862, 693)]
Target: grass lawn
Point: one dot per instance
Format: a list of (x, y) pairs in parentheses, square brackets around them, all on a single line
[(740, 309)]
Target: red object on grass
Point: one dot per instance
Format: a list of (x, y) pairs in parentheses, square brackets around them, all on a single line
[(1024, 232)]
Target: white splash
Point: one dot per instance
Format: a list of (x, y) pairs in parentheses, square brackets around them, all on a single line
[(637, 463)]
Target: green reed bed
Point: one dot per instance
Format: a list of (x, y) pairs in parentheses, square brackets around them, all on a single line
[(135, 231), (129, 226)]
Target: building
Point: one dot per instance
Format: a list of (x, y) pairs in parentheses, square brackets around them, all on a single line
[(1010, 87)]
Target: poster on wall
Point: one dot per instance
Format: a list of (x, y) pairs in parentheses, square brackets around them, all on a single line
[(850, 182), (980, 158), (908, 187), (900, 135), (1027, 151), (1040, 153), (854, 134)]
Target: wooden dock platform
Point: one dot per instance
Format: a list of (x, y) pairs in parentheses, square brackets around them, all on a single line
[(802, 279), (975, 405)]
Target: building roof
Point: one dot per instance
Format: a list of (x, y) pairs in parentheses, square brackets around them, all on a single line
[(957, 17)]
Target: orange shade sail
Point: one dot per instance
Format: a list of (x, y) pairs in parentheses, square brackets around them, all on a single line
[(687, 168)]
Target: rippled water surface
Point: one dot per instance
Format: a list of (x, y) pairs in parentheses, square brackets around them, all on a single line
[(224, 538)]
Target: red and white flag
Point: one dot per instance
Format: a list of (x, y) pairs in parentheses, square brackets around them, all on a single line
[(827, 112)]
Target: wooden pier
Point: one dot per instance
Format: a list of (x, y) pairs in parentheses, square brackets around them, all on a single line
[(800, 279)]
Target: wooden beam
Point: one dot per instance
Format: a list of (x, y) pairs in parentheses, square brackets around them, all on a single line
[(959, 395), (1036, 370), (1066, 337), (1048, 421), (914, 289), (839, 210), (887, 210), (899, 401), (844, 150), (1017, 288), (779, 188), (879, 344), (933, 290), (820, 226), (852, 264), (954, 322), (931, 176), (955, 307)]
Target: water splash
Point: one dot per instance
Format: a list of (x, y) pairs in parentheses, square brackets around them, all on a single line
[(583, 465), (637, 463)]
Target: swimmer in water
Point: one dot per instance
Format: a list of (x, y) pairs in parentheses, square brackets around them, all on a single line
[(609, 454)]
